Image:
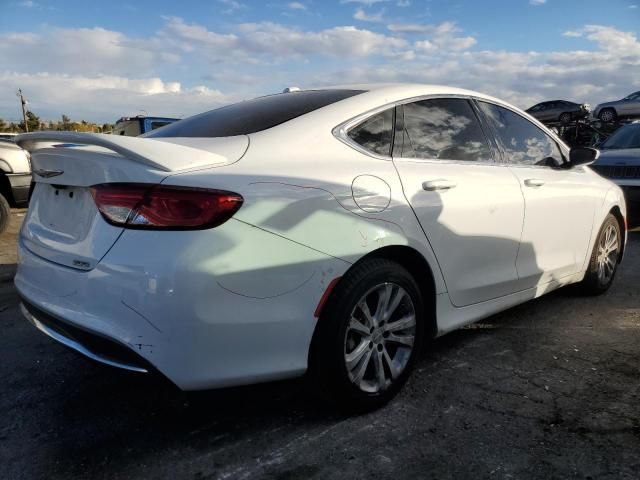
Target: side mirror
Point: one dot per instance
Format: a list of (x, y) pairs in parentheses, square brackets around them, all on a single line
[(582, 156)]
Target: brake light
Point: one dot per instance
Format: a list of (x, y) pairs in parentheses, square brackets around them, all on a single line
[(145, 206)]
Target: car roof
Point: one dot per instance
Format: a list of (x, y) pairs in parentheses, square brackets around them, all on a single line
[(393, 92)]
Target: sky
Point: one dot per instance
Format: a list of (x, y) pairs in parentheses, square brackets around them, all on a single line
[(99, 61)]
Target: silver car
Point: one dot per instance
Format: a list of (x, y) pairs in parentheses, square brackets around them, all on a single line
[(561, 111), (629, 106)]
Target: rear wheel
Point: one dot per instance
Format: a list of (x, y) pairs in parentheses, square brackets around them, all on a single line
[(5, 213), (368, 336), (565, 118), (607, 115), (603, 263)]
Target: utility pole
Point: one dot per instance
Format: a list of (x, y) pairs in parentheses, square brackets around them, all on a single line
[(23, 103)]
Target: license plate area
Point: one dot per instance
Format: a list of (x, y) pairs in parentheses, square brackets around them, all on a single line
[(65, 212)]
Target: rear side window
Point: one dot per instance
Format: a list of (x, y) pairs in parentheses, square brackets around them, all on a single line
[(443, 129), (253, 115), (523, 142), (375, 133)]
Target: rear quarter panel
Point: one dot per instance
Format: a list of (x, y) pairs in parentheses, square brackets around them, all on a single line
[(300, 182)]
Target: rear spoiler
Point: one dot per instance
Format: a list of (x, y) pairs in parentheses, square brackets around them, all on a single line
[(160, 155)]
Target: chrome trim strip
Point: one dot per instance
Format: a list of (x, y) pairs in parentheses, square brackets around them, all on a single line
[(75, 345)]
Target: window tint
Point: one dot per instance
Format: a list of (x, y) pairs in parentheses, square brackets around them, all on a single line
[(625, 137), (156, 125), (253, 115), (523, 142), (443, 128), (375, 133)]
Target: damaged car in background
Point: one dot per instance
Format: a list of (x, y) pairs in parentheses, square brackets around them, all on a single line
[(559, 111), (620, 161), (327, 231)]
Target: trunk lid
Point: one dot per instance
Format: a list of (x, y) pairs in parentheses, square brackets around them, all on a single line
[(63, 224)]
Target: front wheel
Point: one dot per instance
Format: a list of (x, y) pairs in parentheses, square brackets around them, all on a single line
[(368, 335), (603, 263)]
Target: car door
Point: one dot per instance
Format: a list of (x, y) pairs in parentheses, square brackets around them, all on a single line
[(550, 112), (560, 203), (630, 105), (468, 204)]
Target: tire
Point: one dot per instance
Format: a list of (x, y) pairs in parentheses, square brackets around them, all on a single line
[(359, 386), (5, 213), (603, 266), (608, 115), (565, 117)]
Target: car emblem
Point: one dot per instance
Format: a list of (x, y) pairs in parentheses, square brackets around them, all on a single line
[(47, 173)]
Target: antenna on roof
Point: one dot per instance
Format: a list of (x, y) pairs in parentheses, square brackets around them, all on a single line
[(291, 89)]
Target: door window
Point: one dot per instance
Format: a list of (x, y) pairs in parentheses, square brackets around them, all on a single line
[(443, 129), (523, 142)]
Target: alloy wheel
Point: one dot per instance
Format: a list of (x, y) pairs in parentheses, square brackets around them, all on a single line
[(607, 257), (379, 338), (606, 116)]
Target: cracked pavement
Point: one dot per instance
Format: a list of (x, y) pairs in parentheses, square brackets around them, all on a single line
[(549, 389)]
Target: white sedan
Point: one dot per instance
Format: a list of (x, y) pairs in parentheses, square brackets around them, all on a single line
[(329, 231)]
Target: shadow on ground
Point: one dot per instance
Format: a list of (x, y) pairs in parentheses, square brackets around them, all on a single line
[(548, 389)]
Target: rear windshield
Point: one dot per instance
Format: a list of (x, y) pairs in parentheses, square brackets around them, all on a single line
[(253, 115)]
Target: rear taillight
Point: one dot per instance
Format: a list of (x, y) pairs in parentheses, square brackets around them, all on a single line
[(144, 206)]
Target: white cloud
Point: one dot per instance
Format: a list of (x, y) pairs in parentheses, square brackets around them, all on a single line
[(297, 6), (368, 3), (275, 42), (537, 3), (231, 6), (82, 50), (633, 6), (403, 3), (443, 37), (572, 33), (186, 67), (523, 78), (105, 98), (363, 16)]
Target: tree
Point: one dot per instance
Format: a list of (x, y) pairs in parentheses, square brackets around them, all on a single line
[(3, 125), (33, 122), (66, 122)]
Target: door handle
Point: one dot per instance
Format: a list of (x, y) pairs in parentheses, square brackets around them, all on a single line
[(534, 182), (439, 184)]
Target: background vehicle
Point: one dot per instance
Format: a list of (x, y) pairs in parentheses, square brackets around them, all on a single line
[(561, 111), (134, 126), (8, 135), (629, 106), (15, 179), (620, 161), (327, 231)]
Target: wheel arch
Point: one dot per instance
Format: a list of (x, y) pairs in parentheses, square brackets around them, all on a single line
[(5, 188), (609, 107), (616, 212), (419, 268)]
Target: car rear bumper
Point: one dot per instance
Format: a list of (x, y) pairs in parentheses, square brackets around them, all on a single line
[(206, 309), (90, 344)]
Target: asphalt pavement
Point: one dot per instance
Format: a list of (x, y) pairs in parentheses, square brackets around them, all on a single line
[(549, 389)]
